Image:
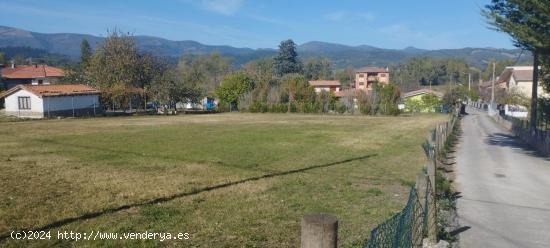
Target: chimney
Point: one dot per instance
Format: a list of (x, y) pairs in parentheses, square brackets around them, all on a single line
[(12, 64)]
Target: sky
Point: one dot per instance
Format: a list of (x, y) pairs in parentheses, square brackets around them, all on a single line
[(396, 24)]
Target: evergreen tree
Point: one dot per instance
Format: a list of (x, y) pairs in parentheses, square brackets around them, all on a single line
[(85, 53), (286, 60), (2, 59)]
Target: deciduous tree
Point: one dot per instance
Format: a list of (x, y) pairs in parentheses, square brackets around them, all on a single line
[(118, 70), (233, 86), (318, 68)]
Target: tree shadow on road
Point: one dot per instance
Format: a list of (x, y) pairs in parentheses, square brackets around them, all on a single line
[(507, 140)]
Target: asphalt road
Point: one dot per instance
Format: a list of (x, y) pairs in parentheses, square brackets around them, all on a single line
[(504, 188)]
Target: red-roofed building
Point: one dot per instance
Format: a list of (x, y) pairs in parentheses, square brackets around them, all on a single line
[(325, 85), (31, 74), (39, 101)]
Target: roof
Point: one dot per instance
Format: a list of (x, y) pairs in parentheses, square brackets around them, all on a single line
[(489, 84), (519, 73), (422, 91), (32, 71), (54, 90), (372, 69), (324, 83), (523, 75)]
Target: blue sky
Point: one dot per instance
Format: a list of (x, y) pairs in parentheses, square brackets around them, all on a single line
[(429, 24)]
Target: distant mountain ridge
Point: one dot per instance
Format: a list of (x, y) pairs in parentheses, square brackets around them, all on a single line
[(342, 55)]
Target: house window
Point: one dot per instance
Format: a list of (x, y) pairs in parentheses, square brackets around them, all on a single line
[(361, 83), (40, 81), (383, 75), (361, 75), (24, 102)]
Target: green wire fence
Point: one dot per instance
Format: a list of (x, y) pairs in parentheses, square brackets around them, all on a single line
[(416, 221)]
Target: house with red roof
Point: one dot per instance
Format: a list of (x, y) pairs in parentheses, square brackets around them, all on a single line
[(30, 74), (51, 100), (325, 85)]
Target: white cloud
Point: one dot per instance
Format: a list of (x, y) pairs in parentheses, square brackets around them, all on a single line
[(224, 7), (336, 16), (367, 16), (273, 21), (344, 16), (402, 35)]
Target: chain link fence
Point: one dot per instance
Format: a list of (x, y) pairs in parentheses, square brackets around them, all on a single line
[(416, 221)]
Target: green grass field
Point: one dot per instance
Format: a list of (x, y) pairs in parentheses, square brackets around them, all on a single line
[(156, 174)]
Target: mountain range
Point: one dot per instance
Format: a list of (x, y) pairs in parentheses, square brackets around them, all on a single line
[(68, 44)]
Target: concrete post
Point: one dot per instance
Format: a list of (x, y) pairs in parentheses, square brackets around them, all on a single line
[(421, 191), (421, 187), (432, 167), (432, 211), (319, 231)]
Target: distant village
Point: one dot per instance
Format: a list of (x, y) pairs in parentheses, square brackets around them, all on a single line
[(39, 91)]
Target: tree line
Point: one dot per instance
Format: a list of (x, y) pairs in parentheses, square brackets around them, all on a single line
[(128, 78)]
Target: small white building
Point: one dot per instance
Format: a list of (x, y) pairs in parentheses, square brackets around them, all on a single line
[(39, 101)]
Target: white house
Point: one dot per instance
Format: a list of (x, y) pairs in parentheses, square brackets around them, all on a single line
[(39, 101), (325, 85), (519, 79)]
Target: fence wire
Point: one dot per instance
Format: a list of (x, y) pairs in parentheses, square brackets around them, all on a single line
[(410, 226)]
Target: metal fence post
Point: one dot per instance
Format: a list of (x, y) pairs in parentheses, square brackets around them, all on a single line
[(319, 231)]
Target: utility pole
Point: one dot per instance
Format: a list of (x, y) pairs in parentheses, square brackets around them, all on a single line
[(534, 93), (469, 81), (493, 88)]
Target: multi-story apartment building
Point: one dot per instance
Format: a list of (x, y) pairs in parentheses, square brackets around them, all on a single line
[(366, 77)]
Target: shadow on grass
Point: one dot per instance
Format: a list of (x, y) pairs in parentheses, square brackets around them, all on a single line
[(92, 215), (110, 151)]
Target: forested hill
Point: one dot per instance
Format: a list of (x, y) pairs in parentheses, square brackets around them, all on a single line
[(341, 55)]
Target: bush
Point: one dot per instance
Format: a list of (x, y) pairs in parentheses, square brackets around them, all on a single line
[(278, 108), (341, 108), (293, 108), (223, 107), (308, 107), (258, 107)]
